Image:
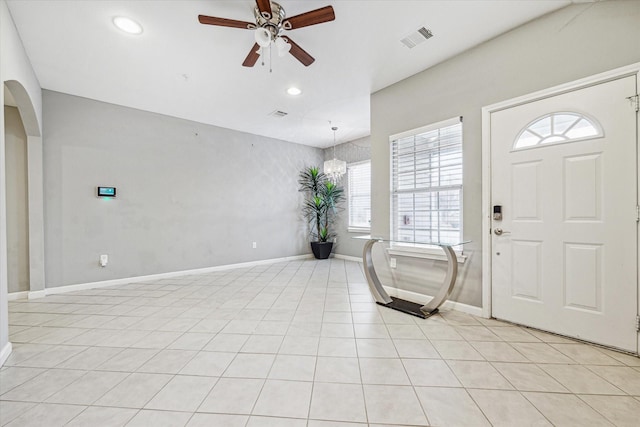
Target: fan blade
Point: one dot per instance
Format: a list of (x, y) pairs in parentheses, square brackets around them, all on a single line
[(223, 22), (318, 16), (253, 56), (264, 6), (299, 53)]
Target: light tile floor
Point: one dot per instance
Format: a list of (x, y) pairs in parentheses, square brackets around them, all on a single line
[(294, 344)]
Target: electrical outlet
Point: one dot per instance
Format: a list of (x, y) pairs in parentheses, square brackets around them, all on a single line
[(104, 259), (392, 262), (255, 245)]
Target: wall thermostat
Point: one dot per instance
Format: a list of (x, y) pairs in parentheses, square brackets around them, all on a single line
[(106, 191)]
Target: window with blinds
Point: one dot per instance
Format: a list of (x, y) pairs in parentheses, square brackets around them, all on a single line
[(359, 194), (426, 181)]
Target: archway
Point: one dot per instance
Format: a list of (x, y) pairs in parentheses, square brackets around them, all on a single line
[(33, 196)]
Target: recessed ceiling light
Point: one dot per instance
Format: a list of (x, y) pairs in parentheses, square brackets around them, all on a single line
[(127, 25), (294, 91)]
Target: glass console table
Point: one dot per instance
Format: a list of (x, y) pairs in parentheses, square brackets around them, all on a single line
[(409, 307)]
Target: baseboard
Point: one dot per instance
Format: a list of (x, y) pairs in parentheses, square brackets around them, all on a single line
[(348, 257), (12, 296), (423, 299), (37, 294), (5, 353), (137, 279)]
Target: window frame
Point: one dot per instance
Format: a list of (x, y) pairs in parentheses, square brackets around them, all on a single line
[(354, 228), (421, 250)]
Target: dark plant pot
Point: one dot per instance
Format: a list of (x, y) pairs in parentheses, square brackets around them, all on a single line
[(321, 250)]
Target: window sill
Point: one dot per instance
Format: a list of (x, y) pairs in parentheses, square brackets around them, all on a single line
[(359, 230), (424, 252)]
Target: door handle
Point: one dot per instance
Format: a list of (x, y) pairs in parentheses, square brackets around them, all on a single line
[(500, 232)]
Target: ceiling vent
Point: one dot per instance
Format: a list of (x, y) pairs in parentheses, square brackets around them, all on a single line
[(278, 113), (415, 38)]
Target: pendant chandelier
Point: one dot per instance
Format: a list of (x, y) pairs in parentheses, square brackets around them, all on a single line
[(334, 169)]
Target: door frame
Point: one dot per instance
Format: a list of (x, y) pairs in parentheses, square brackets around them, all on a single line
[(629, 70)]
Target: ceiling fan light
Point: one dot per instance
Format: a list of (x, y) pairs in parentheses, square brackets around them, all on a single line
[(283, 46), (263, 37), (294, 91)]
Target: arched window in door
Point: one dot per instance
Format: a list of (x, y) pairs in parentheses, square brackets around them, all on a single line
[(557, 128)]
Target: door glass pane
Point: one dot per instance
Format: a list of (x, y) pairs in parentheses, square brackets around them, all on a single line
[(542, 127), (582, 129), (557, 128), (562, 122)]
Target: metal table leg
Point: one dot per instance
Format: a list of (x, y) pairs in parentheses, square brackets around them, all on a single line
[(375, 286), (447, 285), (424, 311)]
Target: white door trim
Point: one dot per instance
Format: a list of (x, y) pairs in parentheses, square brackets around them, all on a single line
[(628, 70)]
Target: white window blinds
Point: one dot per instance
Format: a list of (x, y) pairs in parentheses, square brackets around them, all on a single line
[(359, 196), (426, 181)]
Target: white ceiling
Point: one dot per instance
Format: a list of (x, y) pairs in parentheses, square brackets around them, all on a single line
[(184, 69)]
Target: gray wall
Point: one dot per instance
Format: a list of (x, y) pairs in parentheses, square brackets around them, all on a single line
[(188, 195), (15, 140), (354, 151), (575, 42)]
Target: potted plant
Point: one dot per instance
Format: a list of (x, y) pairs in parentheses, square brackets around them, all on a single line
[(320, 208)]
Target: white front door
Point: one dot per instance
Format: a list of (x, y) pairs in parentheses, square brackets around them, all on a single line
[(564, 173)]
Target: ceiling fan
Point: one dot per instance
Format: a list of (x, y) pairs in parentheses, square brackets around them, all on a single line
[(271, 22)]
